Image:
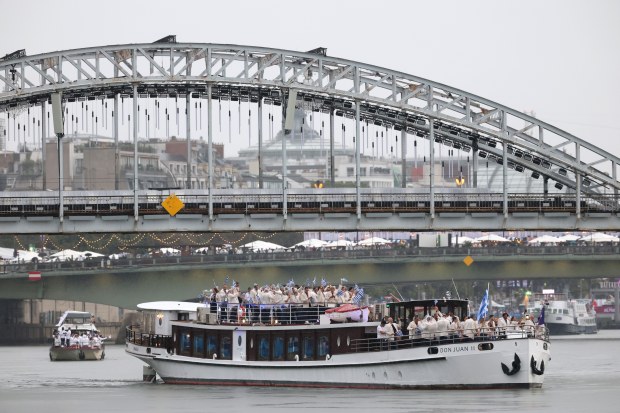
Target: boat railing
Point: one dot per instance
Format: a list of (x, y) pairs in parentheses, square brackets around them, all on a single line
[(273, 314), (140, 338), (401, 342)]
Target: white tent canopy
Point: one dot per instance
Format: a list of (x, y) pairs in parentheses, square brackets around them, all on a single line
[(544, 239), (91, 254), (461, 239), (7, 254), (311, 243), (201, 250), (599, 237), (67, 254), (262, 246), (169, 251), (568, 238), (492, 238), (374, 241), (339, 243)]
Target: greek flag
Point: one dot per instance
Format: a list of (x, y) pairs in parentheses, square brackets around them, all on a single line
[(339, 293), (234, 284), (291, 283), (313, 281), (343, 280), (226, 280), (484, 305), (323, 282), (358, 296)]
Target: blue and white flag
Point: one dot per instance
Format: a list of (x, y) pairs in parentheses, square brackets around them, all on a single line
[(226, 280), (291, 283), (343, 280), (323, 282), (313, 281), (484, 306), (358, 296), (541, 317), (339, 293), (234, 284)]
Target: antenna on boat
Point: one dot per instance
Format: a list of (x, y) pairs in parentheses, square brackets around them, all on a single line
[(401, 296), (456, 289)]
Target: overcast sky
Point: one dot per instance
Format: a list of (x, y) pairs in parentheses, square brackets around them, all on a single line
[(558, 58)]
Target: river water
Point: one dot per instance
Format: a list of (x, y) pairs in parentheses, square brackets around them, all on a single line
[(583, 376)]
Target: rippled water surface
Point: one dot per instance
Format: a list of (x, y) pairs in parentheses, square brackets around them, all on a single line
[(583, 376)]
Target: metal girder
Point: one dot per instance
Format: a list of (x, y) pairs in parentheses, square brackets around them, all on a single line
[(27, 80)]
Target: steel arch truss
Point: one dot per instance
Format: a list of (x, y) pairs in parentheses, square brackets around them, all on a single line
[(390, 98)]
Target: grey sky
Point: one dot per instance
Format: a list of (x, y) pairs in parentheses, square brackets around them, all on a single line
[(558, 58)]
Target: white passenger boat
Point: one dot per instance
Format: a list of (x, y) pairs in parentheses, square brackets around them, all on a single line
[(563, 315), (76, 338), (276, 345)]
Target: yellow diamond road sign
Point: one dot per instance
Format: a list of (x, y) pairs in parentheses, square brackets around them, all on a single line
[(468, 260), (172, 204)]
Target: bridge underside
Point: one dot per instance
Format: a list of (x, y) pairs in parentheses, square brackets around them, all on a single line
[(127, 289)]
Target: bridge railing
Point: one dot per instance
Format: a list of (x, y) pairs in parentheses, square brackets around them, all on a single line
[(309, 255), (246, 202)]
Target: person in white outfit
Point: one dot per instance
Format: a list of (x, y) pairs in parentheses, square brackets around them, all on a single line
[(502, 325), (469, 328)]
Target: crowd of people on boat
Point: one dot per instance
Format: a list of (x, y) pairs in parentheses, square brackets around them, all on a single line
[(77, 339), (230, 301), (438, 326), (278, 294)]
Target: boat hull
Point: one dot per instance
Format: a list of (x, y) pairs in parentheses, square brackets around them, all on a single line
[(451, 366), (76, 353), (570, 328)]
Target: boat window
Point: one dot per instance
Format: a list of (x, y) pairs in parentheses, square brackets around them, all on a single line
[(185, 342), (565, 311), (292, 348), (323, 346), (433, 350), (278, 348), (211, 345), (183, 316), (308, 348), (226, 348), (485, 346), (199, 345), (263, 347)]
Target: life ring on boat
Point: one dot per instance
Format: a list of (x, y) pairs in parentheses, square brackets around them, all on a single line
[(516, 366), (537, 371), (81, 355)]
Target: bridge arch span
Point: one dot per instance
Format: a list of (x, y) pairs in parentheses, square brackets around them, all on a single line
[(394, 99)]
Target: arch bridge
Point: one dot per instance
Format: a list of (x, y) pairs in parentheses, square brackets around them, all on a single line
[(579, 180)]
